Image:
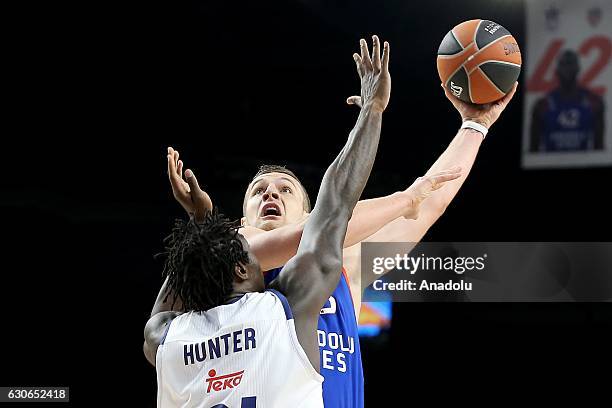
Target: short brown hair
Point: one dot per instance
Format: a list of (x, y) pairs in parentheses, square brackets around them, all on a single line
[(275, 168)]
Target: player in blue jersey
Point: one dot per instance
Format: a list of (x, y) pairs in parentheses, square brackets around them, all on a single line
[(274, 233), (211, 269), (569, 118)]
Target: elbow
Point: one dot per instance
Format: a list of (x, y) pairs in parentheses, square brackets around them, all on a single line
[(147, 353), (326, 262), (332, 266)]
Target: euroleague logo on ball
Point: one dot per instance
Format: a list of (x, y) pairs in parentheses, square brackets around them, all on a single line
[(491, 28)]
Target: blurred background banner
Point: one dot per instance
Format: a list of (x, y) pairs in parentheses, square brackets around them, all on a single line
[(567, 118)]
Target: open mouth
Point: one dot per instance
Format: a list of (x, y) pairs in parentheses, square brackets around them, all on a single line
[(270, 210)]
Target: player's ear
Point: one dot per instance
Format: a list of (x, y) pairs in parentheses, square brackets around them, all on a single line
[(243, 221), (241, 272)]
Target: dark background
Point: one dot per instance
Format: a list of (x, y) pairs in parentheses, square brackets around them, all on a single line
[(98, 92)]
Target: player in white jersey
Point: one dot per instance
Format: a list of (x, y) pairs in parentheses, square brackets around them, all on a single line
[(237, 354), (237, 345)]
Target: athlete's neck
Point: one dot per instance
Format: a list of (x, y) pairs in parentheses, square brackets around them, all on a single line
[(568, 88)]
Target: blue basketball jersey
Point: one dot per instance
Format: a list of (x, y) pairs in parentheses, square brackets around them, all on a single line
[(340, 355), (568, 124)]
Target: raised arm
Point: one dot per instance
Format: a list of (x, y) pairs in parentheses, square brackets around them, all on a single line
[(462, 151), (309, 278)]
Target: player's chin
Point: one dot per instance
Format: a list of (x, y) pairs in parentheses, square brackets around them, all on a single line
[(270, 222)]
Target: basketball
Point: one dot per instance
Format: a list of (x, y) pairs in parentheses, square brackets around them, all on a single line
[(479, 61)]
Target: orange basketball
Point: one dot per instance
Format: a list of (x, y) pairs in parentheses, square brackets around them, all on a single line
[(479, 61)]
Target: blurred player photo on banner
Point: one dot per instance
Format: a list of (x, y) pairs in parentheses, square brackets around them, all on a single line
[(567, 117)]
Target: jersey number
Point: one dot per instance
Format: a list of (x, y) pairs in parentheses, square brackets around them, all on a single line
[(600, 45), (332, 306), (247, 402)]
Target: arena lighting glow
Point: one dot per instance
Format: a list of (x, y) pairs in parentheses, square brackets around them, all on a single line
[(375, 317)]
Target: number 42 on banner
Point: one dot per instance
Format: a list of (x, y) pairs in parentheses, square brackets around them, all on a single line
[(601, 45)]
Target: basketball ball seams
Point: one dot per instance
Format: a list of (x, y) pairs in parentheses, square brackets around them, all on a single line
[(446, 56), (483, 90), (450, 77), (456, 39), (469, 85), (475, 33), (487, 53), (495, 61), (475, 50), (470, 49), (501, 74), (502, 93), (463, 32), (449, 45), (459, 84), (491, 43)]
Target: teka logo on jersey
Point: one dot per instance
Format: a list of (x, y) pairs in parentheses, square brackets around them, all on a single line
[(223, 382), (456, 89)]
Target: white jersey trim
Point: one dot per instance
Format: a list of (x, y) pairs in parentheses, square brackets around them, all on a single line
[(294, 339)]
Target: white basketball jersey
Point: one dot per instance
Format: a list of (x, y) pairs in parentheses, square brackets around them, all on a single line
[(244, 354)]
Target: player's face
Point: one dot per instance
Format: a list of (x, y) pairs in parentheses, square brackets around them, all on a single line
[(568, 68), (274, 200)]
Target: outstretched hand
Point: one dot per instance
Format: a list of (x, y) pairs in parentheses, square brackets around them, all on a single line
[(424, 186), (188, 193), (486, 114), (374, 74)]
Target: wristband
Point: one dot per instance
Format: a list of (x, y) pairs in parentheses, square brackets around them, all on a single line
[(476, 126)]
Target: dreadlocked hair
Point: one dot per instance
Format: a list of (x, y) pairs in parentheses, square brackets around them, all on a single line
[(200, 260)]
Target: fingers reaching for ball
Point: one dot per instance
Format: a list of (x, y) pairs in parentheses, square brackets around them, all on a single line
[(373, 72)]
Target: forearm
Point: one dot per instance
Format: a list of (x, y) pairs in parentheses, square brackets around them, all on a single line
[(170, 304), (340, 189), (371, 215), (275, 247), (462, 151), (347, 176), (319, 255)]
